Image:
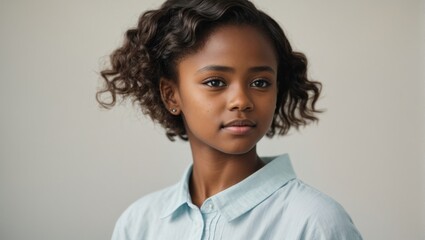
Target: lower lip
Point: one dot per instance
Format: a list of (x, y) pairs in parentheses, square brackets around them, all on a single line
[(238, 130)]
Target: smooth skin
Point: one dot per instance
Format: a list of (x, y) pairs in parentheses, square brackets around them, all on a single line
[(226, 93)]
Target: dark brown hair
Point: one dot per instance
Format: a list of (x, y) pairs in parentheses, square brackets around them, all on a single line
[(162, 37)]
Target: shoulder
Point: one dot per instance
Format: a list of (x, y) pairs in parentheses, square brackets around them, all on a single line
[(319, 216), (150, 204), (145, 212), (302, 195)]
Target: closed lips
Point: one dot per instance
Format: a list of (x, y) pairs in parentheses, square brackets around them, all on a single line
[(240, 123)]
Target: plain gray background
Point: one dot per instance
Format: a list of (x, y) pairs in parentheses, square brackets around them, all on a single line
[(68, 169)]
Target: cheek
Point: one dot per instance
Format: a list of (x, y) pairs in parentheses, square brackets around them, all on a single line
[(197, 101), (197, 106), (268, 108), (268, 101)]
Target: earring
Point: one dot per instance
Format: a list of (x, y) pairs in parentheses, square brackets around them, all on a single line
[(173, 110)]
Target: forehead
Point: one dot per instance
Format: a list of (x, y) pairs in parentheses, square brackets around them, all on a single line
[(237, 46)]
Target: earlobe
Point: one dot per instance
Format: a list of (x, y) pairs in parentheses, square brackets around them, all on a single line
[(169, 95)]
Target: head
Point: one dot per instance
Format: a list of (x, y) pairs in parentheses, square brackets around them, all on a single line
[(152, 52)]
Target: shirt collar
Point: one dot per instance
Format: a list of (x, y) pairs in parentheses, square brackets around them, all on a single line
[(180, 196), (243, 196)]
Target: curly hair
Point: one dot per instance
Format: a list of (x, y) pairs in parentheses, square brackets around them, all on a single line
[(163, 37)]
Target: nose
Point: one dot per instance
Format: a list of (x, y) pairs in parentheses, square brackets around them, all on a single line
[(240, 100)]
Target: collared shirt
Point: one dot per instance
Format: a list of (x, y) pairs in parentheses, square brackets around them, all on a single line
[(269, 204)]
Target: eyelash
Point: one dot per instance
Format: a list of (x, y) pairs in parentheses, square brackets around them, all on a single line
[(212, 82), (209, 82), (265, 83)]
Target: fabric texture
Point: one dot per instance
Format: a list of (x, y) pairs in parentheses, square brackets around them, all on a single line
[(269, 204)]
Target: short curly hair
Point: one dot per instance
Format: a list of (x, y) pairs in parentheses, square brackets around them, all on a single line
[(163, 37)]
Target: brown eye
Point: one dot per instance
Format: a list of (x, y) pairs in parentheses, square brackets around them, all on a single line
[(215, 83), (260, 83)]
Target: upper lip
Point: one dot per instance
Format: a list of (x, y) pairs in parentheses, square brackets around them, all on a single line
[(240, 123)]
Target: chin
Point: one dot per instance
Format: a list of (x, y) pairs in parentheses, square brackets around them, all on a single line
[(238, 150)]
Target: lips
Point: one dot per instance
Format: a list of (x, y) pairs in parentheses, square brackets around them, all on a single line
[(239, 126)]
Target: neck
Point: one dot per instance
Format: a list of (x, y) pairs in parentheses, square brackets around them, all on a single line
[(212, 173)]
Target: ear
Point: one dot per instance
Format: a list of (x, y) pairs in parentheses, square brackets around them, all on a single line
[(169, 95)]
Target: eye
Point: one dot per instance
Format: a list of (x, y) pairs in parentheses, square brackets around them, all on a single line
[(260, 83), (214, 83)]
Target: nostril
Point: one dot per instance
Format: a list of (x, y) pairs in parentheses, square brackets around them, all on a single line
[(241, 106), (239, 98)]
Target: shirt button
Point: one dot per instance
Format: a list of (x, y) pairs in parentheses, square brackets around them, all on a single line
[(210, 206)]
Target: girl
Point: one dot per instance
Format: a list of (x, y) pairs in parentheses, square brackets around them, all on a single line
[(221, 74)]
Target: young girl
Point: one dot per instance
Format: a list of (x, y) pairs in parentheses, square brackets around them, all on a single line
[(221, 74)]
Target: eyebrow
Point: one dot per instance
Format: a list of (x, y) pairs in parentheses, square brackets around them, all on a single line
[(229, 69)]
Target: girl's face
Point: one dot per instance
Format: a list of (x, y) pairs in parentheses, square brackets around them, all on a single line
[(227, 90)]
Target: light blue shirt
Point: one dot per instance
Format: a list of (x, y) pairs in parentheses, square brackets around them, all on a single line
[(270, 204)]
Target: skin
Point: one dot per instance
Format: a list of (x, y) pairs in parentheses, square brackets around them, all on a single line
[(226, 93)]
